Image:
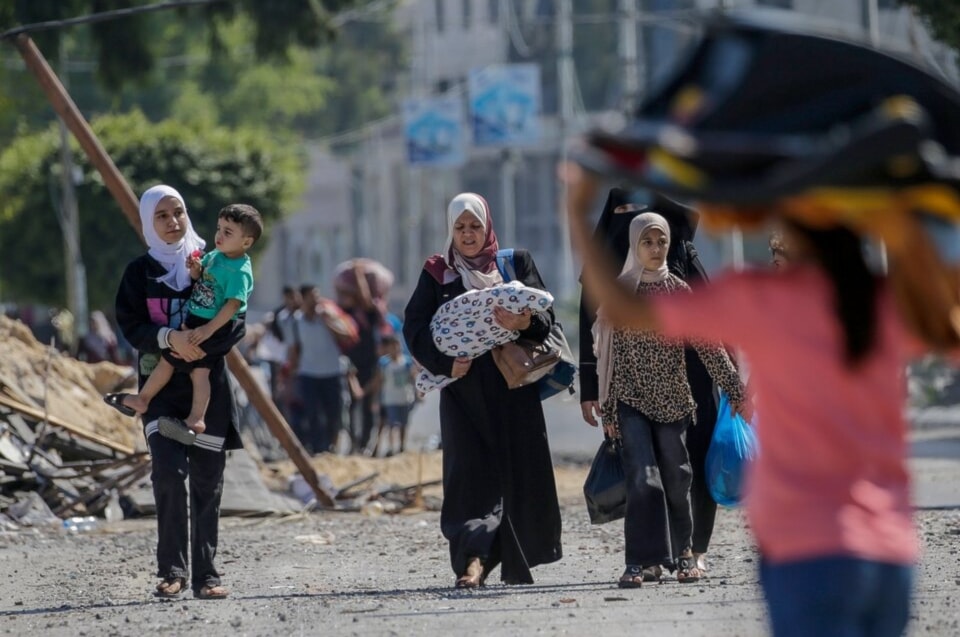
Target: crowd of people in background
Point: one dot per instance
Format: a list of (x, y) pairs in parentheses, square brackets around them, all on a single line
[(337, 368)]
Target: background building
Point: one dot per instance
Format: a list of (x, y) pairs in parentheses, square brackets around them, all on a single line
[(596, 57)]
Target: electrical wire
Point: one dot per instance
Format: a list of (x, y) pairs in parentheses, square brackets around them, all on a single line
[(103, 16)]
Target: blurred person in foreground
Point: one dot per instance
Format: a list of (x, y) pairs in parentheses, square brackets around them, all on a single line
[(828, 497)]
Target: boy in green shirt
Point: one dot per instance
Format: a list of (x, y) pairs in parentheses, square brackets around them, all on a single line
[(223, 282)]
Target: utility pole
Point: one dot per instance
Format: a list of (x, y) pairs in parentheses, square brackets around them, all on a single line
[(414, 173), (871, 24), (508, 190), (629, 17), (871, 20), (565, 86), (69, 217)]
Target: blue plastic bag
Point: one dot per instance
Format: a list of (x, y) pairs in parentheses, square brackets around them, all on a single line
[(733, 445)]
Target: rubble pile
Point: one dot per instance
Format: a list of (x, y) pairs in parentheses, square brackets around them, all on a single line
[(58, 440)]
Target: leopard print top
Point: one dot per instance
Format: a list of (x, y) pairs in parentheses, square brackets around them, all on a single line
[(649, 372)]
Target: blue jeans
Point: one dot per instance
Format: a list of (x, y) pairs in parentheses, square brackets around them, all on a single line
[(837, 597)]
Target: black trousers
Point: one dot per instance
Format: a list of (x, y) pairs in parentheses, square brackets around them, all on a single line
[(181, 527), (321, 416), (698, 442), (658, 524)]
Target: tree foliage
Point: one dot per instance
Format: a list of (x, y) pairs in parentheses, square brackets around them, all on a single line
[(209, 166), (942, 17), (196, 76), (125, 46)]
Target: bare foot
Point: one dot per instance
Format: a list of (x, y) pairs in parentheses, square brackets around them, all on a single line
[(701, 561), (472, 578), (136, 403)]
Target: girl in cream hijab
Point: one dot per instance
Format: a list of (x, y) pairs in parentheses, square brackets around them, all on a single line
[(647, 403), (631, 275)]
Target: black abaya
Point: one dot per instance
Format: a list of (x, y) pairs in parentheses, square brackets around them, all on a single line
[(500, 499)]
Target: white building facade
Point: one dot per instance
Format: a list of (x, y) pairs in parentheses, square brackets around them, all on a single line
[(374, 204)]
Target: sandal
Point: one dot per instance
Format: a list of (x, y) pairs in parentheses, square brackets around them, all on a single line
[(211, 592), (176, 429), (687, 571), (473, 576), (170, 587), (116, 401), (632, 577)]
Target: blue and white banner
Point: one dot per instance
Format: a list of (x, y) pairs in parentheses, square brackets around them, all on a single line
[(505, 104), (434, 131)]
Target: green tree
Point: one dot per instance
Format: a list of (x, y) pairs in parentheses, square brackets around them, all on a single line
[(942, 17), (198, 78), (209, 166), (125, 46)]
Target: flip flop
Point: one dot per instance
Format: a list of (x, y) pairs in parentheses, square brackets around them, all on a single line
[(116, 401), (176, 429)]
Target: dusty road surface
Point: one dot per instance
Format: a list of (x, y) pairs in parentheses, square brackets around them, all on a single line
[(328, 573)]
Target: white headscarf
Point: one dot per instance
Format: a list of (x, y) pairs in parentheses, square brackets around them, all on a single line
[(480, 271), (172, 256)]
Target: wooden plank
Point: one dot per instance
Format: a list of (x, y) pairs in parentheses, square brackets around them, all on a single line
[(33, 412)]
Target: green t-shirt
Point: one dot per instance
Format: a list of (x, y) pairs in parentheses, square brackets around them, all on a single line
[(223, 278)]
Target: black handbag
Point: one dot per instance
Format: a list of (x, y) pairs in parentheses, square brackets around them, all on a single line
[(605, 488)]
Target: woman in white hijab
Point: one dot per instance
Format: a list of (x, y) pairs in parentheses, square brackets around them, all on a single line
[(500, 501), (150, 306)]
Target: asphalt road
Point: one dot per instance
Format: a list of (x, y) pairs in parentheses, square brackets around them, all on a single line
[(350, 574)]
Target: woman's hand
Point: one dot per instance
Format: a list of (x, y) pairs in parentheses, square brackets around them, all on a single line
[(590, 410), (611, 431), (460, 367), (199, 335), (181, 346), (745, 409), (510, 321)]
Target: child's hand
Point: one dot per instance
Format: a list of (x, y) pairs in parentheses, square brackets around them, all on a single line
[(193, 264), (199, 335)]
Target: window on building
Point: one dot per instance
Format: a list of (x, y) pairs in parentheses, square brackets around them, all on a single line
[(441, 14), (467, 14), (493, 11), (779, 4)]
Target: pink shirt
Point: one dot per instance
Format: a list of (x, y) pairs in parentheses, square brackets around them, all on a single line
[(831, 475)]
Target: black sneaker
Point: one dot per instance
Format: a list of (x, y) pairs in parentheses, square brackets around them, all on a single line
[(176, 429)]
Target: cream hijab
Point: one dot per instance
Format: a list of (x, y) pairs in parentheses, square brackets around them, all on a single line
[(480, 271), (172, 256), (633, 271), (631, 275)]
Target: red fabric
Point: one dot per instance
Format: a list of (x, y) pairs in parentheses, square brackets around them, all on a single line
[(436, 266), (831, 476)]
